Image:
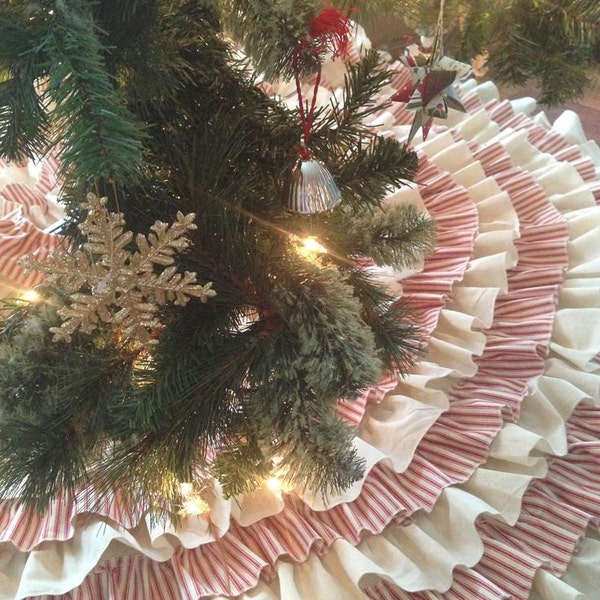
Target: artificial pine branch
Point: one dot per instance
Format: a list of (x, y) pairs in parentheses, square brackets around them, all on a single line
[(268, 31), (579, 18), (99, 137), (399, 341), (38, 462), (254, 375), (550, 42), (23, 119), (342, 124), (373, 169), (54, 401), (146, 471), (241, 467), (335, 463), (541, 43), (361, 83)]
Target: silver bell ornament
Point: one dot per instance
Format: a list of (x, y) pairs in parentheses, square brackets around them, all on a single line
[(311, 188)]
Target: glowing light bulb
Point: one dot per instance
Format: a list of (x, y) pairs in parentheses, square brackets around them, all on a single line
[(186, 488), (192, 502), (278, 483), (30, 296), (194, 505), (309, 248), (313, 246), (274, 484)]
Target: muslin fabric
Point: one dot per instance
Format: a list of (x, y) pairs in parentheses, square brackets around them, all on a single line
[(483, 464)]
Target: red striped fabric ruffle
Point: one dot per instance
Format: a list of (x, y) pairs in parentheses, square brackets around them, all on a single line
[(484, 462)]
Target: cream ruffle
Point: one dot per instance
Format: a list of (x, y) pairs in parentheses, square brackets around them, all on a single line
[(484, 462)]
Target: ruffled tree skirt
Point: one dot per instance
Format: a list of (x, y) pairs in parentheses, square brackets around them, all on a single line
[(483, 478)]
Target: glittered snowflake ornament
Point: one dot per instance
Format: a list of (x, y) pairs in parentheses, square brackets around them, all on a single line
[(107, 283)]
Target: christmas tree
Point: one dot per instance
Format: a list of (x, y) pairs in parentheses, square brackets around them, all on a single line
[(185, 333), (214, 346)]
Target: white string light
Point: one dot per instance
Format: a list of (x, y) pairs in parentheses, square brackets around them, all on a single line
[(309, 248), (29, 296), (192, 502)]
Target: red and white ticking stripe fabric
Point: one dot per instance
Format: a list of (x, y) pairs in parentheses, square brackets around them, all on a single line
[(19, 238), (22, 195), (483, 464), (26, 209)]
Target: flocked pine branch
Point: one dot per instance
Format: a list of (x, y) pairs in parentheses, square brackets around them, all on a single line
[(395, 235)]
